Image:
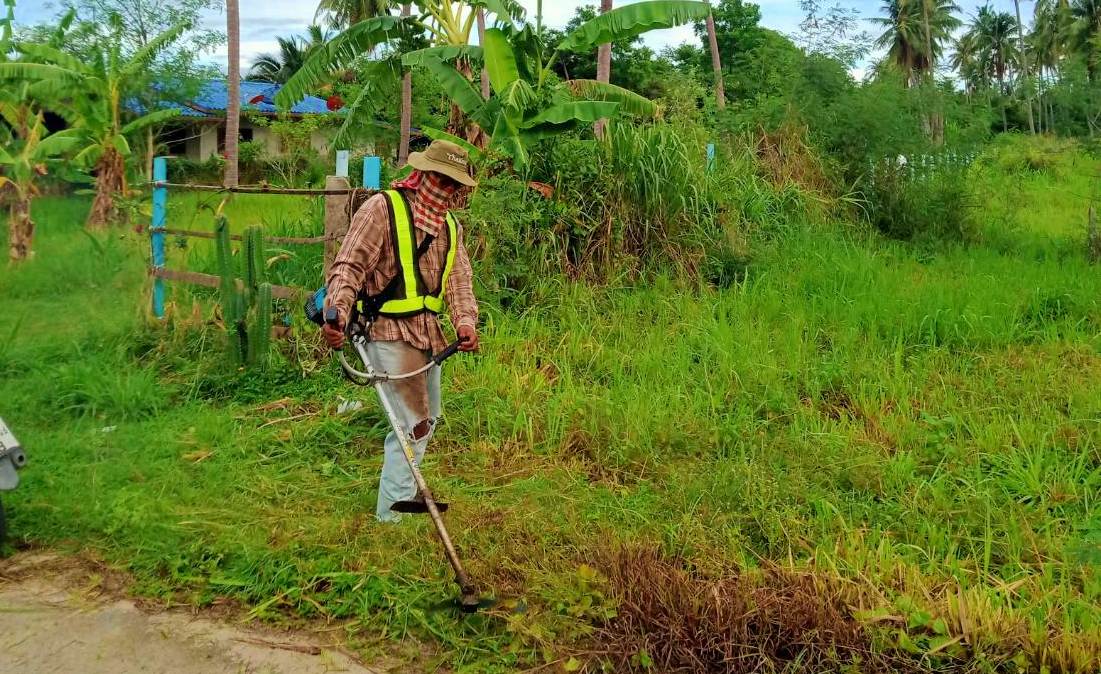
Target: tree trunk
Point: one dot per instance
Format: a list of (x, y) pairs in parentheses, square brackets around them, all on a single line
[(406, 105), (150, 151), (233, 110), (20, 229), (603, 67), (110, 182), (1022, 74), (481, 40), (716, 63)]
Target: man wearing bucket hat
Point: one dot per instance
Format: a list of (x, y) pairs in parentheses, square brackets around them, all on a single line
[(404, 258)]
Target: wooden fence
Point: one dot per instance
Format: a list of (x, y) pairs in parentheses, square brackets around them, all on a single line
[(337, 193)]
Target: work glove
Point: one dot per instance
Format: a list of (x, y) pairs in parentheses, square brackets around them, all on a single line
[(334, 336)]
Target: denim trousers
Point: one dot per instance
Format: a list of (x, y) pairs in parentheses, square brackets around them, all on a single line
[(416, 402)]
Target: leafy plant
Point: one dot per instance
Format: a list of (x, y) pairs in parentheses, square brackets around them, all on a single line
[(529, 102), (97, 91)]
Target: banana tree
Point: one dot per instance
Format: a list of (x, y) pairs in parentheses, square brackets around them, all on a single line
[(529, 103), (448, 26), (97, 93), (23, 161)]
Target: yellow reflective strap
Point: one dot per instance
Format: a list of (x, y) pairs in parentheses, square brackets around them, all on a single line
[(436, 303), (403, 229), (403, 306)]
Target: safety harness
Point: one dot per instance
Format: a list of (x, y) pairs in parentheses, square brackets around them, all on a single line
[(407, 294)]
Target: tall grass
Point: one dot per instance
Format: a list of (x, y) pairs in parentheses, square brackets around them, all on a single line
[(892, 450)]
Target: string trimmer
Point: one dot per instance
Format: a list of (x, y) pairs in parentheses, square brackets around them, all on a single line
[(357, 335)]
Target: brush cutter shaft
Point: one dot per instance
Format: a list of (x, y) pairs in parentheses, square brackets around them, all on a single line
[(461, 578)]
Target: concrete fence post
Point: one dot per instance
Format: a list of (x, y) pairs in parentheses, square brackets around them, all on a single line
[(372, 172), (156, 230), (336, 217)]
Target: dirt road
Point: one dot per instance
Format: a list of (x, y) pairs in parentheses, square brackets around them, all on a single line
[(56, 618)]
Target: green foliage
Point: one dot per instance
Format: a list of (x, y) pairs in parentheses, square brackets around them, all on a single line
[(845, 414), (918, 204)]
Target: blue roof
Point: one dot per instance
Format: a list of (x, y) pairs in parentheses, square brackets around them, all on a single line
[(255, 96)]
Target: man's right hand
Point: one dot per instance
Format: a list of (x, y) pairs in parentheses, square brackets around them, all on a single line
[(334, 335)]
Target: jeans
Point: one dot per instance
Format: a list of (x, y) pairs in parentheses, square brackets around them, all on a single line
[(416, 402)]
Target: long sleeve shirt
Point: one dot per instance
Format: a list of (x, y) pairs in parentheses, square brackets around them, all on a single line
[(367, 260)]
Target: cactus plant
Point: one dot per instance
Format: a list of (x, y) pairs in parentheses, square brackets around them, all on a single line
[(260, 330), (247, 311)]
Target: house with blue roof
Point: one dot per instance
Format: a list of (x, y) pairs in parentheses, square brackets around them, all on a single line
[(200, 131)]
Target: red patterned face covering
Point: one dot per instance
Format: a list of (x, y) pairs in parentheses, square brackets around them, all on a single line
[(432, 197)]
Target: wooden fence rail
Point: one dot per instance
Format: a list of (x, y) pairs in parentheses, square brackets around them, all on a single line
[(337, 193)]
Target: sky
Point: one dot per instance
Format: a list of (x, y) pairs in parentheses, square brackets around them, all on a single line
[(263, 20)]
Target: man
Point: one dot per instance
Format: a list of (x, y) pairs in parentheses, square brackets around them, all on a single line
[(405, 253)]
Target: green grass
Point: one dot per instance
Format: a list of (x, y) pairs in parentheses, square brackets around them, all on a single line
[(918, 429)]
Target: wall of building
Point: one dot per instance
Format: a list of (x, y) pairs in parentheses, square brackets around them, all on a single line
[(208, 140)]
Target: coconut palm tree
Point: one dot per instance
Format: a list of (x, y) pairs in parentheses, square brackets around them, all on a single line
[(342, 14), (293, 53), (914, 34), (1023, 71), (1050, 43), (233, 84), (993, 49), (1087, 32), (716, 62)]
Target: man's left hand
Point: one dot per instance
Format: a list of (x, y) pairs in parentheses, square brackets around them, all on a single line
[(468, 338)]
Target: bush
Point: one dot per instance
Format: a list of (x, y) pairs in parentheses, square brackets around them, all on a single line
[(921, 205), (207, 172), (1022, 155)]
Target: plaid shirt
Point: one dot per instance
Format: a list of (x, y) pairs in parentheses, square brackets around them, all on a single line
[(366, 260)]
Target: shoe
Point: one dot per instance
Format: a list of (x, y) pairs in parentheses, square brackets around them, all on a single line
[(416, 506)]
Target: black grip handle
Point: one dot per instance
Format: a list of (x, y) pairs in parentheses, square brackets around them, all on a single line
[(332, 317), (449, 351)]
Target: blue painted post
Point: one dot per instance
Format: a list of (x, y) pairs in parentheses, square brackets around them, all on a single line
[(156, 230), (710, 157), (342, 163), (372, 172)]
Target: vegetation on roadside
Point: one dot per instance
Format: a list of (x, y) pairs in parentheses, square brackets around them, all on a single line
[(824, 400), (888, 450)]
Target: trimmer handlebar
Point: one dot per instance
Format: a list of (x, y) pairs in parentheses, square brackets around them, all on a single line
[(370, 377)]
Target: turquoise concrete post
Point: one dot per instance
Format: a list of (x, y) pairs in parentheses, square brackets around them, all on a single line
[(710, 157), (372, 172), (156, 230)]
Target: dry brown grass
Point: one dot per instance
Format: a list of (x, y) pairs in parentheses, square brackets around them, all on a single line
[(770, 621)]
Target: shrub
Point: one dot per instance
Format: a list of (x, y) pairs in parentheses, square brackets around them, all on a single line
[(206, 172), (920, 205)]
